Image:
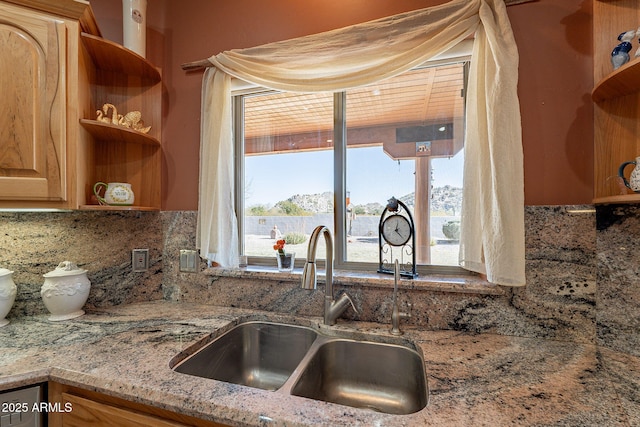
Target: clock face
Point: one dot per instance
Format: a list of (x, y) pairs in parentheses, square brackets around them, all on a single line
[(396, 230)]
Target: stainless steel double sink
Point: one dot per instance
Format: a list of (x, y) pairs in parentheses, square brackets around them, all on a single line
[(301, 361)]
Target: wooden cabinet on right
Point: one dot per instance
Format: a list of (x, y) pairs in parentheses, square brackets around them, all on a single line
[(617, 100)]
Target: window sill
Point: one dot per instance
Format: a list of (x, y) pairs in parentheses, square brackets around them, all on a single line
[(438, 283)]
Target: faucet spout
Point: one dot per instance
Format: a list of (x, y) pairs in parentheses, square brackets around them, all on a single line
[(309, 271), (332, 308)]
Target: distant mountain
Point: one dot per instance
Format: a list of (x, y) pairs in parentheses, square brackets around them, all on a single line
[(445, 199), (316, 203)]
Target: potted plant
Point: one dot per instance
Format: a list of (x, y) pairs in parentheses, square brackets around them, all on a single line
[(285, 260)]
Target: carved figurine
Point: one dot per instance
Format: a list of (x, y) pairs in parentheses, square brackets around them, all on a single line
[(103, 116), (131, 120), (620, 54)]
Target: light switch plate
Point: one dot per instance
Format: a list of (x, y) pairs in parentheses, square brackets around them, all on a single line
[(140, 260), (188, 261)]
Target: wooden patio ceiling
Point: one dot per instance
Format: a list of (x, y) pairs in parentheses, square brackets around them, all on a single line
[(287, 121)]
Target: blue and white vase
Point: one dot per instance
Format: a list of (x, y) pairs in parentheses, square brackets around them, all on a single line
[(620, 54)]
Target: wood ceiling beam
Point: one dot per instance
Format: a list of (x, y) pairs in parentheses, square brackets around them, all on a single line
[(367, 136)]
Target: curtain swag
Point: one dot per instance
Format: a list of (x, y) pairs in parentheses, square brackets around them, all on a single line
[(492, 222)]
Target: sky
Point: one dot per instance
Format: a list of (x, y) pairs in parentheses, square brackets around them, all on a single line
[(371, 175)]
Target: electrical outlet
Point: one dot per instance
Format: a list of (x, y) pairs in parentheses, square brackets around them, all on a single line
[(140, 260), (188, 261)]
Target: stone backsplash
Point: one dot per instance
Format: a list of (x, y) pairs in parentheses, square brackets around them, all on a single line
[(557, 303), (582, 279), (618, 295), (33, 243)]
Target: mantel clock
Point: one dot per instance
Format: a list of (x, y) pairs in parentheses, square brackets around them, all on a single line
[(397, 239)]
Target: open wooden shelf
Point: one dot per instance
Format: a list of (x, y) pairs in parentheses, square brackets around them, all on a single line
[(616, 94), (118, 154), (109, 132), (619, 199), (623, 81), (113, 57)]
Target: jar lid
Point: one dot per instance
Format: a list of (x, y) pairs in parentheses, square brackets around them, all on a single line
[(5, 272), (65, 268)]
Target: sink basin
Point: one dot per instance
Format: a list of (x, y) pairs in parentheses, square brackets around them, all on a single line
[(383, 377), (301, 361), (255, 354)]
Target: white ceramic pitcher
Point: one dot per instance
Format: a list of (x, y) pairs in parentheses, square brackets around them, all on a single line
[(115, 193), (634, 179)]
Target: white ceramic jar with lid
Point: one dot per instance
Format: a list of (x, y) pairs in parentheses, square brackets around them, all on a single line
[(65, 290), (8, 292)]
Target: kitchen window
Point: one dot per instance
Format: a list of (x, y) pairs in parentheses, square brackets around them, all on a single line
[(335, 159), (492, 219)]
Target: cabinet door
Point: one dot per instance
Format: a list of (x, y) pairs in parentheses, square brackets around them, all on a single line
[(32, 106), (83, 412), (73, 407)]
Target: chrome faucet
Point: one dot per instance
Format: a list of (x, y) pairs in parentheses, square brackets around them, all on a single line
[(332, 308), (396, 314)]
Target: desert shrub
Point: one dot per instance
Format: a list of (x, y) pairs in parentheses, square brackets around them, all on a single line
[(451, 230), (295, 238), (287, 207), (258, 210)]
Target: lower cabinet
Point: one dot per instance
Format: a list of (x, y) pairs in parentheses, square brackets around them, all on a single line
[(75, 407)]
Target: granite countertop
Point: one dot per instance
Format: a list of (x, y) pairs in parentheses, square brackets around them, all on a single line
[(473, 379)]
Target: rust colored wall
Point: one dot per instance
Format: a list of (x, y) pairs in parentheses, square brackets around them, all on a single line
[(554, 40)]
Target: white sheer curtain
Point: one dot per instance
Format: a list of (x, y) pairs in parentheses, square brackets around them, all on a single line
[(493, 198)]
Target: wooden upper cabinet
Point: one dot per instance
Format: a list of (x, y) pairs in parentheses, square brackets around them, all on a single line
[(56, 72), (32, 106)]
